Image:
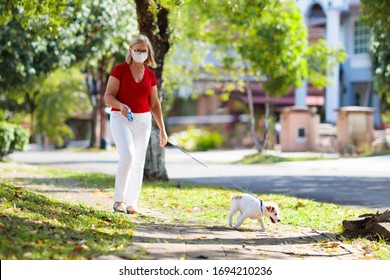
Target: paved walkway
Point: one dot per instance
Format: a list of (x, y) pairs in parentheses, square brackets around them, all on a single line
[(222, 243), (160, 240)]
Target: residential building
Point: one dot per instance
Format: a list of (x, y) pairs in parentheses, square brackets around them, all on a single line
[(339, 23)]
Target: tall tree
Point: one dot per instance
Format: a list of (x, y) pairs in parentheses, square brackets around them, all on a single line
[(153, 22)]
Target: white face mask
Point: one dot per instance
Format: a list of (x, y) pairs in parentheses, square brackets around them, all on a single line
[(139, 57)]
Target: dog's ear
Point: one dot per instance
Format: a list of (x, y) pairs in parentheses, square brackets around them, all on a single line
[(270, 208)]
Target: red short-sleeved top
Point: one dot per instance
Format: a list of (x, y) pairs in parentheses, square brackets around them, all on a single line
[(133, 94)]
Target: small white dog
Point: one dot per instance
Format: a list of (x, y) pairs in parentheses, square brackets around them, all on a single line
[(252, 207)]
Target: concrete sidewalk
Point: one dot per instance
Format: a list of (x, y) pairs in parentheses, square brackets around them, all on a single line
[(161, 242)]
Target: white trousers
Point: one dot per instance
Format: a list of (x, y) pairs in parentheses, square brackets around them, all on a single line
[(131, 140)]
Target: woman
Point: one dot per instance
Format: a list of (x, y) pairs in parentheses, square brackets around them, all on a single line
[(133, 87)]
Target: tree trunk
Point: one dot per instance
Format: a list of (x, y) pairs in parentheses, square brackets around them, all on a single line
[(96, 80), (374, 224), (266, 122), (251, 111), (102, 143), (93, 95), (155, 27), (31, 107)]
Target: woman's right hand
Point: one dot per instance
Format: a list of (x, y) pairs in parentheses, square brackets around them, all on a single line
[(124, 109)]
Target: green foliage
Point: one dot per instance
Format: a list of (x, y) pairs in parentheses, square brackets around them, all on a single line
[(21, 139), (101, 30), (269, 36), (376, 12), (12, 137), (44, 16), (97, 29), (7, 135), (320, 58), (183, 63), (23, 56), (213, 35), (195, 139), (29, 50), (276, 48), (376, 15), (381, 62), (62, 96), (39, 37)]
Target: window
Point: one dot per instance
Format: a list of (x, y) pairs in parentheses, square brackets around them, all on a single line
[(361, 38), (301, 135)]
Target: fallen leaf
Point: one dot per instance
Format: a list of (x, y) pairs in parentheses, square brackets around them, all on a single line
[(80, 248), (330, 245), (300, 204), (335, 245), (99, 192)]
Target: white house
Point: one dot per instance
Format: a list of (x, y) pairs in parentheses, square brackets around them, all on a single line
[(339, 23)]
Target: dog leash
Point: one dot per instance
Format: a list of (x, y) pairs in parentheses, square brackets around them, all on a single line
[(130, 118), (201, 163), (204, 165)]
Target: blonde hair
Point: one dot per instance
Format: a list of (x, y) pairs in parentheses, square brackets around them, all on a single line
[(142, 39)]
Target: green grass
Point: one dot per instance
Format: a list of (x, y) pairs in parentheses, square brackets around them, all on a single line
[(34, 226), (210, 205), (264, 158), (268, 159), (375, 154)]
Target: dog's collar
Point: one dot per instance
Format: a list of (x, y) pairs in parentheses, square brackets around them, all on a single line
[(261, 205)]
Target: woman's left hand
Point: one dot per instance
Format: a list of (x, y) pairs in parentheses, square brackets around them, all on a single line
[(163, 138)]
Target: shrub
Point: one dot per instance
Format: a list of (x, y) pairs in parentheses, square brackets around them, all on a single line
[(196, 139), (12, 138), (7, 136)]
